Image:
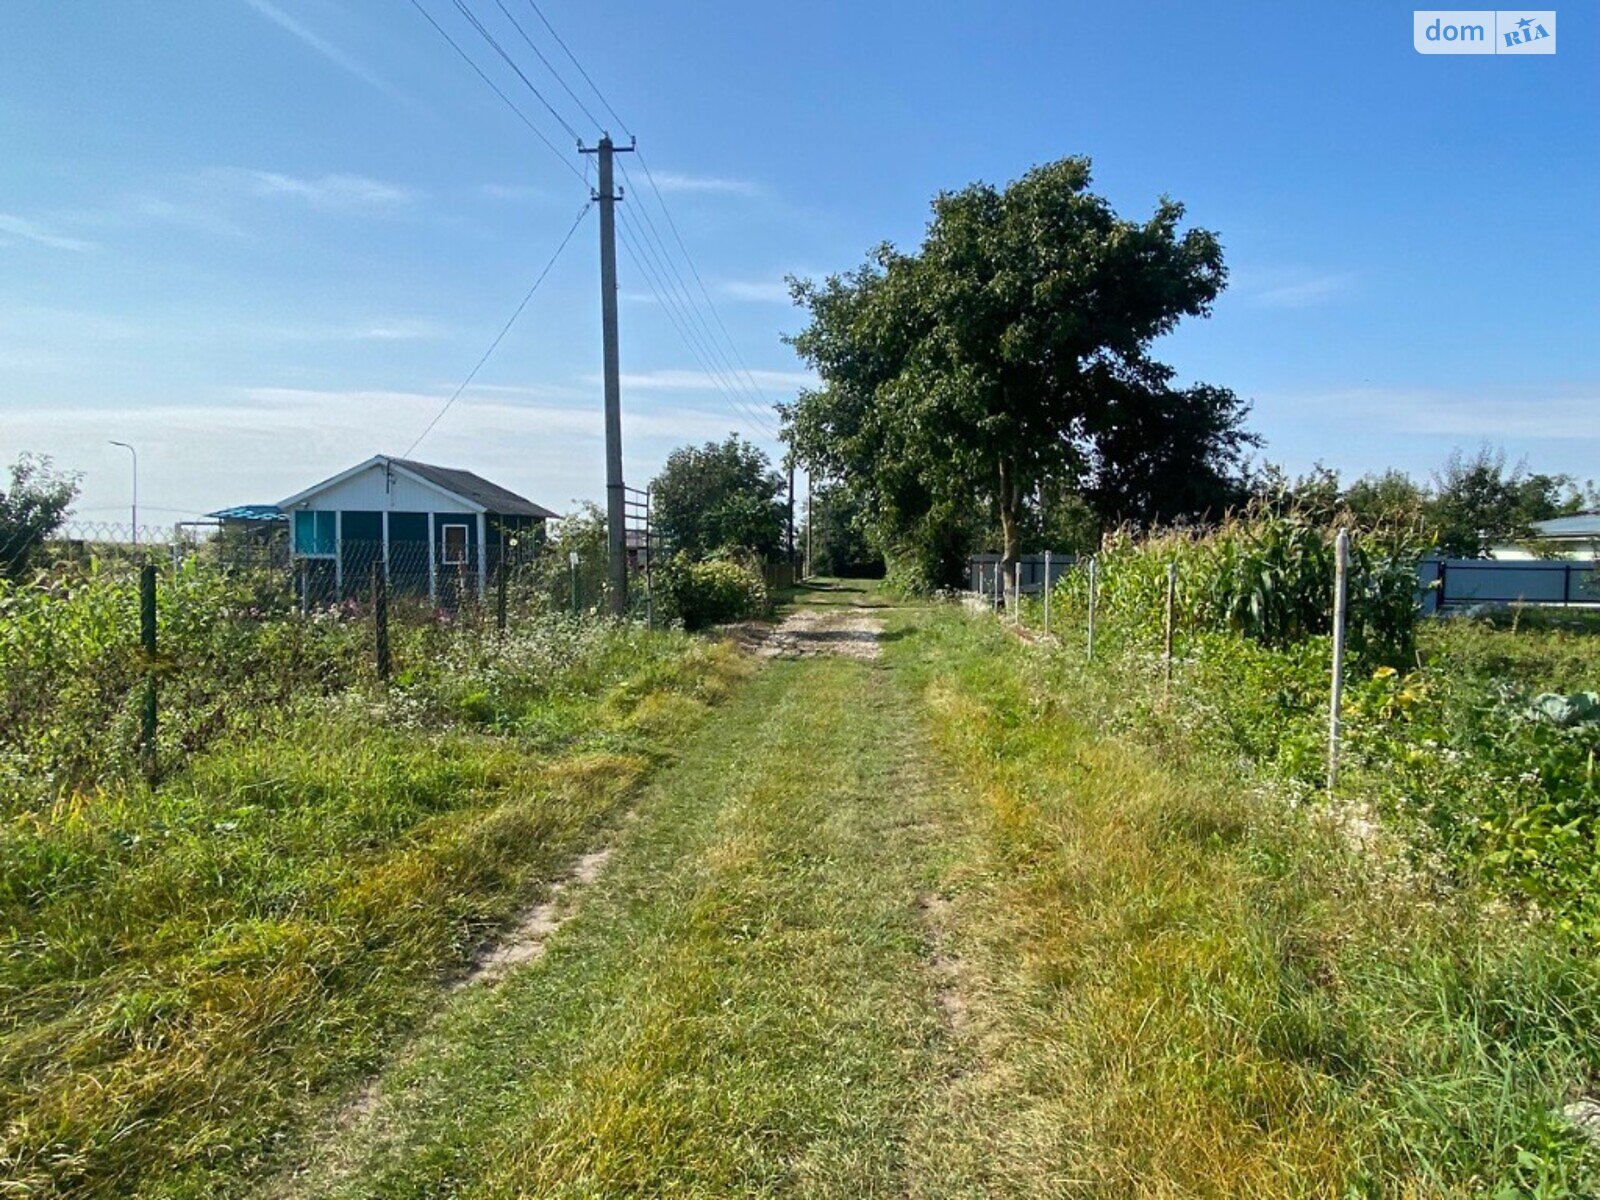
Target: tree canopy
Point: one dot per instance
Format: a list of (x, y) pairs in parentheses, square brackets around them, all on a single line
[(719, 496), (33, 507), (1010, 353), (1474, 502), (1479, 503)]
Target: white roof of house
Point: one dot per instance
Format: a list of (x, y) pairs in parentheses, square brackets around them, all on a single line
[(1585, 526), (473, 491)]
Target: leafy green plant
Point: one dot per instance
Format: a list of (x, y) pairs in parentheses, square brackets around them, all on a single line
[(708, 593), (1265, 576)]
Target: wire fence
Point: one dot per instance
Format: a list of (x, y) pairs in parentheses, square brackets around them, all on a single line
[(1005, 597), (147, 645)]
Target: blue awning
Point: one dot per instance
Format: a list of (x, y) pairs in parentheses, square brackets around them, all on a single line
[(249, 512)]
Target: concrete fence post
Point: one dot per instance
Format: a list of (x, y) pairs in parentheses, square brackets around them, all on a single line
[(1341, 569), (1047, 593)]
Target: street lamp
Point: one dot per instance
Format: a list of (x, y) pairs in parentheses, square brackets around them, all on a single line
[(135, 506)]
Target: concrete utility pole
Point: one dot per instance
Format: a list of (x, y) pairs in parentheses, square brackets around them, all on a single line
[(791, 508), (616, 495), (810, 521)]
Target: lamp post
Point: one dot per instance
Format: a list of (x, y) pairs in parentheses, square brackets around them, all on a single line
[(135, 505)]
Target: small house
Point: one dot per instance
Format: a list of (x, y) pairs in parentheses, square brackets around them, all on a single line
[(436, 531), (1575, 537)]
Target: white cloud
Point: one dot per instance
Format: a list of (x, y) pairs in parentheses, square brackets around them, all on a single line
[(403, 330), (32, 231), (189, 216), (329, 51), (255, 444), (757, 291), (675, 181), (513, 191), (326, 191), (674, 380), (1566, 414), (1291, 288)]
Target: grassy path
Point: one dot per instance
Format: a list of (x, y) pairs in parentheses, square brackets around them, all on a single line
[(914, 925), (747, 1001)]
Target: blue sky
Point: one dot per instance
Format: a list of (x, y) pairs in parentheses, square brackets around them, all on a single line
[(262, 240)]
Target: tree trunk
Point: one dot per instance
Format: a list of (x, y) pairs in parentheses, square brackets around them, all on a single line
[(1009, 521)]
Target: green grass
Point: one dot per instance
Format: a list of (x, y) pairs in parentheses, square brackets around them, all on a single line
[(977, 919), (742, 1005), (186, 971), (1189, 987)]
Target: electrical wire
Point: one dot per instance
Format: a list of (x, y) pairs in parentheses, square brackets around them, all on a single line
[(751, 391), (495, 88), (645, 245), (673, 225), (621, 124), (673, 307), (499, 337), (748, 384), (741, 411), (494, 43), (548, 65)]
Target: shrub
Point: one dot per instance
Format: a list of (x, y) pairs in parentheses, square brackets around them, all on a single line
[(709, 593)]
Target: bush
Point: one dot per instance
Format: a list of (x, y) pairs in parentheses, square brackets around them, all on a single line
[(709, 593)]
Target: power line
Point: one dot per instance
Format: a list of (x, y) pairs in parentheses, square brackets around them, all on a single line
[(748, 382), (751, 392), (621, 124), (680, 323), (483, 32), (673, 225), (499, 337), (495, 88), (548, 66), (692, 342), (656, 262)]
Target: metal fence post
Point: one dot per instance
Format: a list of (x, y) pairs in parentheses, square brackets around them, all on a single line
[(1341, 550), (572, 561), (1166, 653), (1094, 597), (147, 641), (380, 620), (1047, 593)]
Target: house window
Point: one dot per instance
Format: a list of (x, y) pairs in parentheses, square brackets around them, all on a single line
[(314, 534), (455, 546)]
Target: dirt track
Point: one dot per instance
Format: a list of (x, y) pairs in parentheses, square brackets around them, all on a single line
[(812, 631)]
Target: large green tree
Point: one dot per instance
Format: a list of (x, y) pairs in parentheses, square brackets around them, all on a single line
[(719, 496), (1478, 502), (33, 507), (1010, 353)]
